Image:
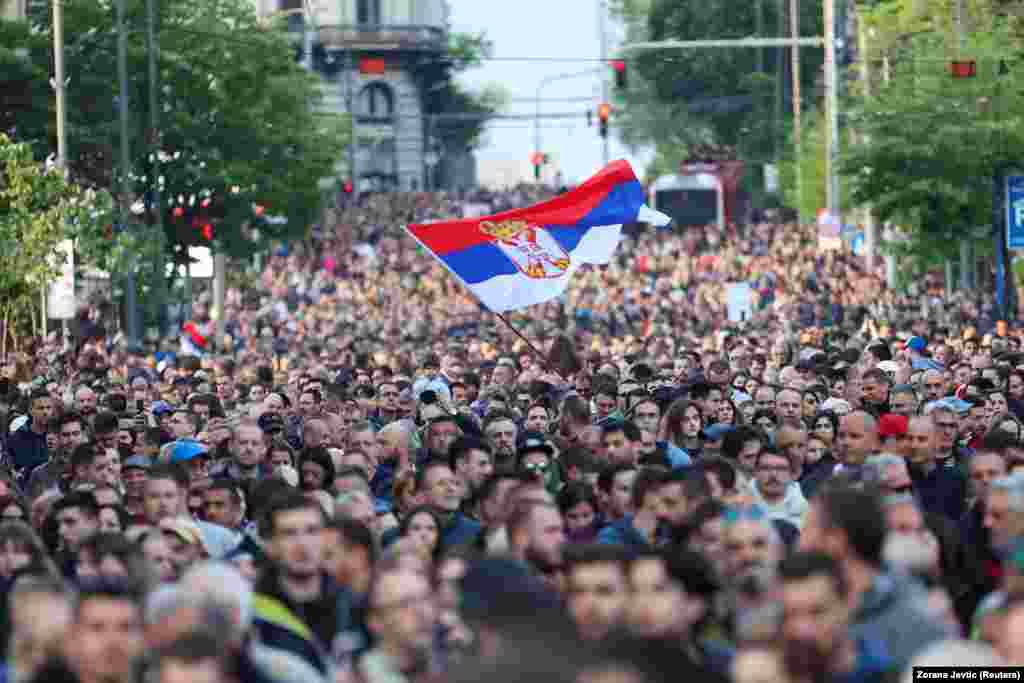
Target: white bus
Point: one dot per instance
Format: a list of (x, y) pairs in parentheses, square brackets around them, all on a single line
[(691, 199)]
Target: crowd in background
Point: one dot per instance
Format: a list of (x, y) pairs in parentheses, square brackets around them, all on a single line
[(370, 478)]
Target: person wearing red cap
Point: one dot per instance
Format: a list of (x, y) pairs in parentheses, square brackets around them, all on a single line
[(893, 430)]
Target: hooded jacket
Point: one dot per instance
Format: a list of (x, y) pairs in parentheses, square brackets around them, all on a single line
[(791, 508), (894, 611)]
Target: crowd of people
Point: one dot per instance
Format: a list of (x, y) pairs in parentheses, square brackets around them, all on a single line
[(368, 478)]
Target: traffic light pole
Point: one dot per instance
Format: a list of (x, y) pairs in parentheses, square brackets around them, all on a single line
[(130, 304), (602, 11), (794, 42)]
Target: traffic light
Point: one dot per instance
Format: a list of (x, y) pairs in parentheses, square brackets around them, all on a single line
[(963, 69), (603, 112), (537, 159), (621, 81)]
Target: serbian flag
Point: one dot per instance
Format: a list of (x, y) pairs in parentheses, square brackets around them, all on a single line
[(526, 256)]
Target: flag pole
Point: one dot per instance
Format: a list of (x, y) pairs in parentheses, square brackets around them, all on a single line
[(534, 349)]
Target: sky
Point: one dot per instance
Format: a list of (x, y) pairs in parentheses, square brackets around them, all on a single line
[(540, 28)]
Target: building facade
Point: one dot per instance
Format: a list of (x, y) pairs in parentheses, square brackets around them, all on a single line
[(367, 52)]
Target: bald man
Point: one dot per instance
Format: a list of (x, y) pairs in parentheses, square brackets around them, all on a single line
[(858, 438)]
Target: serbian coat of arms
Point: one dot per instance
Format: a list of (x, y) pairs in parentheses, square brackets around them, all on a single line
[(532, 248)]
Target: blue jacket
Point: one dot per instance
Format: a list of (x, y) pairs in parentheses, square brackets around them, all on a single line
[(623, 533), (677, 457), (872, 661)]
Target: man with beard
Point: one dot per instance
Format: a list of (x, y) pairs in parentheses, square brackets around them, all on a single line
[(501, 431), (775, 490), (249, 455), (671, 596), (402, 616), (816, 641), (986, 466), (753, 547), (597, 589), (938, 481), (295, 601), (536, 534), (850, 526)]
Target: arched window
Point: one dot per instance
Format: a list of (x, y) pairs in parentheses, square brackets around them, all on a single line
[(368, 12), (376, 103)]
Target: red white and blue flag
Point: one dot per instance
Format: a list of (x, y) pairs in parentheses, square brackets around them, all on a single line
[(522, 257)]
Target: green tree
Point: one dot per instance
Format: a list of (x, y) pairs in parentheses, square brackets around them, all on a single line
[(443, 95), (237, 111), (929, 143), (38, 210), (728, 96)]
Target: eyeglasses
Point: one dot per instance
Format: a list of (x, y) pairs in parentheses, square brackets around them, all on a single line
[(536, 467)]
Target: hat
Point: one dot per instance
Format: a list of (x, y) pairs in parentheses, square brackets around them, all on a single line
[(534, 441), (161, 408), (184, 450), (889, 366), (891, 424), (179, 381), (137, 461), (739, 397), (917, 344)]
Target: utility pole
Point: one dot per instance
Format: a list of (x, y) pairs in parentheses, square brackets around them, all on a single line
[(602, 11), (59, 85), (832, 107), (966, 241), (153, 53), (794, 27), (60, 90), (130, 303), (353, 149)]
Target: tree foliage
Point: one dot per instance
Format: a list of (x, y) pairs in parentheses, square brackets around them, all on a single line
[(443, 95), (929, 143), (233, 103), (38, 210), (727, 96)]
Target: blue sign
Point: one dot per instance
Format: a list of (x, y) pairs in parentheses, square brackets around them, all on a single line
[(1015, 211)]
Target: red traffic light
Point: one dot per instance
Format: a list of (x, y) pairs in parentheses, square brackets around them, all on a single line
[(178, 212), (347, 187), (963, 68), (619, 65), (257, 209), (536, 158), (604, 112)]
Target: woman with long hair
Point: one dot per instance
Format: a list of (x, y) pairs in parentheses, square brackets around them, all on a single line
[(682, 425)]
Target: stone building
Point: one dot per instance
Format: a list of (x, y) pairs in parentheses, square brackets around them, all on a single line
[(367, 52)]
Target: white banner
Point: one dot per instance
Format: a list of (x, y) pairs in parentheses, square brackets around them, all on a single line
[(60, 299)]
